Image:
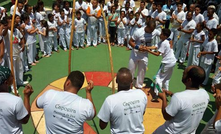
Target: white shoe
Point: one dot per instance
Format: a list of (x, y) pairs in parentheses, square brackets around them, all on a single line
[(25, 82)]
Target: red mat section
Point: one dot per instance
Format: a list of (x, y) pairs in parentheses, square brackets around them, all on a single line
[(99, 78), (88, 129)]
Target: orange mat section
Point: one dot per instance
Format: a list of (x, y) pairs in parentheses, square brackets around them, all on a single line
[(99, 78)]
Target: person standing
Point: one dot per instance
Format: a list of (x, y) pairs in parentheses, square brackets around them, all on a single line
[(124, 110)]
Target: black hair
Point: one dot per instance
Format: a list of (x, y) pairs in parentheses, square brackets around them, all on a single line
[(197, 75), (21, 1), (142, 2), (26, 7), (50, 15), (61, 10), (4, 21), (78, 12), (151, 24), (201, 25), (45, 24), (198, 6), (214, 31), (76, 78), (25, 17), (166, 32), (124, 78), (179, 3), (160, 3)]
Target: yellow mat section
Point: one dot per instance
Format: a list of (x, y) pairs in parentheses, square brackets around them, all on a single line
[(115, 84), (39, 121), (60, 82), (153, 118)]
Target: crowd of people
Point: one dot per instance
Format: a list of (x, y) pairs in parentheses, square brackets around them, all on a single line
[(176, 31)]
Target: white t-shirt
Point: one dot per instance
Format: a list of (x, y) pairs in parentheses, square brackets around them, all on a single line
[(197, 36), (30, 38), (187, 109), (12, 110), (214, 15), (199, 18), (67, 12), (135, 27), (56, 15), (52, 25), (125, 111), (121, 24), (211, 23), (142, 38), (6, 40), (66, 111), (44, 38), (79, 25), (92, 20), (132, 3), (38, 19), (175, 7), (17, 36), (62, 28), (187, 25), (180, 16), (145, 12), (162, 16), (83, 5), (209, 46), (166, 51)]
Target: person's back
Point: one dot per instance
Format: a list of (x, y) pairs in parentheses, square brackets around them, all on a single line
[(65, 112), (11, 111), (187, 108), (126, 109)]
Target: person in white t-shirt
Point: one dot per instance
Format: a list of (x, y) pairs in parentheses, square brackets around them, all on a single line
[(52, 27), (121, 33), (80, 27), (128, 30), (56, 12), (127, 9), (140, 42), (186, 29), (198, 17), (30, 32), (38, 18), (136, 23), (160, 17), (63, 22), (102, 34), (143, 12), (18, 9), (13, 111), (81, 6), (186, 108), (210, 48), (65, 111), (196, 41), (93, 13), (184, 7), (210, 22), (167, 64), (124, 110), (132, 4), (67, 9), (177, 18)]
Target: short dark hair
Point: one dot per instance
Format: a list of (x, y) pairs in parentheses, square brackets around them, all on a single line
[(160, 3), (50, 15), (151, 24), (179, 3), (197, 75), (198, 6), (21, 1), (166, 32), (4, 21), (78, 12), (124, 78), (143, 2), (214, 31), (76, 78), (25, 17)]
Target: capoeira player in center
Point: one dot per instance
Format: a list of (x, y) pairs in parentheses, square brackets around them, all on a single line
[(141, 42)]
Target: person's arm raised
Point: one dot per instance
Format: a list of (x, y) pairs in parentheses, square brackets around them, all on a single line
[(88, 94)]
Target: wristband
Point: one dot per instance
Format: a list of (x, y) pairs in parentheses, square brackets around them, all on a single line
[(137, 47)]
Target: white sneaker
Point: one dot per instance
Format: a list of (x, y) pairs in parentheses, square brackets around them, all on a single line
[(25, 82)]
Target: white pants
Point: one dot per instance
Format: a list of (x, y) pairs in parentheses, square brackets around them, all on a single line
[(141, 64), (31, 52), (41, 42), (53, 42), (174, 37), (79, 39), (181, 48), (163, 76), (120, 36), (47, 48), (208, 129), (92, 34), (193, 52), (24, 59), (128, 39), (101, 31), (156, 39), (62, 41), (18, 70), (207, 69), (67, 38)]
